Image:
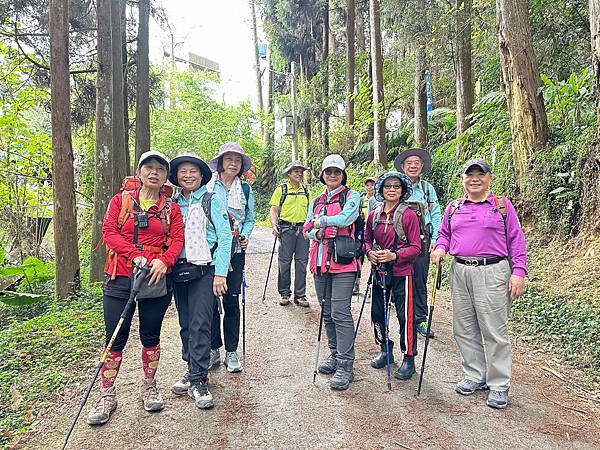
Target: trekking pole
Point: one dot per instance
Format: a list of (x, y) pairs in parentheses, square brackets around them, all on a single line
[(322, 302), (436, 286), (386, 331), (269, 270), (244, 285), (137, 282), (363, 303)]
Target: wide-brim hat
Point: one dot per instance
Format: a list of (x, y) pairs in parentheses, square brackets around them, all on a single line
[(415, 151), (231, 147), (406, 185), (189, 158), (294, 165), (153, 154), (336, 161)]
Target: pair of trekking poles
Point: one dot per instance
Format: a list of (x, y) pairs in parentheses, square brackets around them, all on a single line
[(138, 279), (436, 287)]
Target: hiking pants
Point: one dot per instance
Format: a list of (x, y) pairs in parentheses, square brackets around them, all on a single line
[(231, 308), (335, 296), (151, 312), (421, 271), (195, 303), (292, 245), (401, 290), (480, 306)]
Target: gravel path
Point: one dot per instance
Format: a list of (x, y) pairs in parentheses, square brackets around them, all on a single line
[(274, 404)]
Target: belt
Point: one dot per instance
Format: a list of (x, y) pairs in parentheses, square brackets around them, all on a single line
[(474, 262), (291, 224)]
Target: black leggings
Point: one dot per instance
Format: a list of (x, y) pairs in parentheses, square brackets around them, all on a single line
[(151, 312)]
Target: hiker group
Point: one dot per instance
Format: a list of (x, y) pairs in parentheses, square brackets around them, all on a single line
[(192, 245)]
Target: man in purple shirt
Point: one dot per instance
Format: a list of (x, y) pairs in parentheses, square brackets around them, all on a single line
[(483, 233)]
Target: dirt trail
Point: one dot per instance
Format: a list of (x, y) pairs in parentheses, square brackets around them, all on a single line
[(273, 403)]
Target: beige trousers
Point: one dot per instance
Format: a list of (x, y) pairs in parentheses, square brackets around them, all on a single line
[(481, 303)]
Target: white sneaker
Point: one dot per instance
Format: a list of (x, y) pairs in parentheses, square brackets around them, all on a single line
[(181, 386), (201, 395)]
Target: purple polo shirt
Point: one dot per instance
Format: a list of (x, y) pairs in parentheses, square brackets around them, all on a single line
[(384, 236), (478, 232)]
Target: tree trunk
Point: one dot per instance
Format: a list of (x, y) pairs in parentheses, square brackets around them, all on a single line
[(326, 77), (520, 73), (379, 149), (350, 62), (306, 136), (591, 169), (420, 94), (259, 95), (294, 113), (269, 128), (361, 28), (120, 161), (65, 219), (464, 70), (125, 85), (103, 158), (142, 95)]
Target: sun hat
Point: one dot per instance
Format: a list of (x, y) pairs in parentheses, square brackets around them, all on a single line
[(294, 165), (334, 161), (414, 151), (404, 180), (189, 158), (231, 147)]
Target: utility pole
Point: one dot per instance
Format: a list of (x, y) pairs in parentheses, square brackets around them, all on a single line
[(294, 118)]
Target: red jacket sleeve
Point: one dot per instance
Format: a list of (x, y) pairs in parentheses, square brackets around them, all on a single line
[(170, 256), (410, 223), (112, 235)]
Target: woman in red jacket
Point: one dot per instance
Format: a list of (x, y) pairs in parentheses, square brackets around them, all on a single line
[(142, 226), (392, 242)]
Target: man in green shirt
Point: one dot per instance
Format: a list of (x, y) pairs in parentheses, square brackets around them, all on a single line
[(289, 206)]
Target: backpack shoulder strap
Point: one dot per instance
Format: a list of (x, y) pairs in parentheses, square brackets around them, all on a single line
[(425, 186), (398, 228), (376, 214), (304, 188), (343, 197), (206, 205), (284, 193), (501, 205), (126, 207), (246, 190)]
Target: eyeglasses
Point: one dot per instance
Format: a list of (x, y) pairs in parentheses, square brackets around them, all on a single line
[(333, 172), (392, 186)]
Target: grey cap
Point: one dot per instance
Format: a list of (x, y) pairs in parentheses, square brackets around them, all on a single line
[(480, 162), (153, 154)]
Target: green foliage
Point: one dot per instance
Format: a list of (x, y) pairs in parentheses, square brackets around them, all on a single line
[(201, 124), (40, 355), (572, 326)]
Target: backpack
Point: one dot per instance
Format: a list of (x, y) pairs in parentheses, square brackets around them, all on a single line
[(130, 207), (418, 209), (284, 194), (358, 225)]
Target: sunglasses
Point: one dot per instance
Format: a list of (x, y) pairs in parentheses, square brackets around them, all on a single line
[(392, 186), (336, 172)]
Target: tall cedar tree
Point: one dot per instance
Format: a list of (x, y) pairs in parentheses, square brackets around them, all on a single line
[(65, 219), (527, 116), (464, 69), (379, 148), (142, 94), (591, 178)]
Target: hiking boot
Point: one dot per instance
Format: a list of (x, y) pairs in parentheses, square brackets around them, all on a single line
[(468, 387), (301, 301), (497, 399), (152, 399), (199, 392), (215, 359), (328, 366), (406, 370), (285, 300), (232, 362), (422, 330), (103, 407), (181, 387), (380, 361), (343, 375)]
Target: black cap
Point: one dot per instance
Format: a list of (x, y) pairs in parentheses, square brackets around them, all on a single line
[(480, 162)]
